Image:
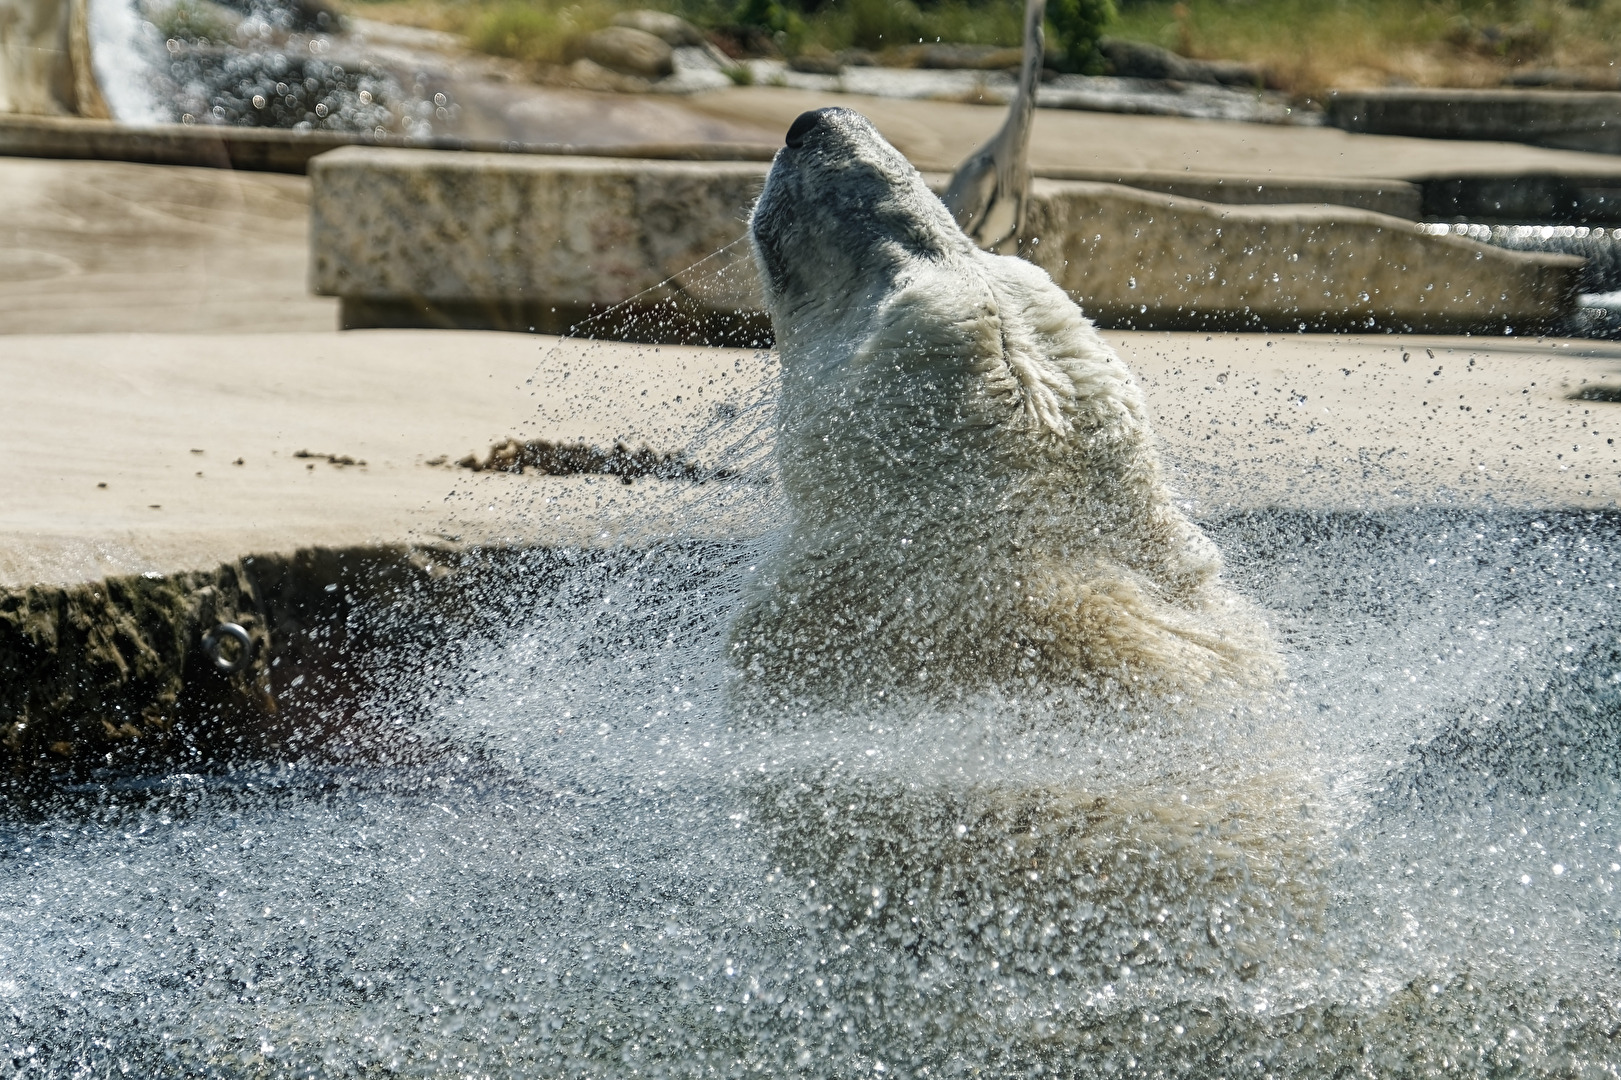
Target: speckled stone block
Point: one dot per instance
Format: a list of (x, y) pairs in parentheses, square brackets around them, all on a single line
[(576, 233)]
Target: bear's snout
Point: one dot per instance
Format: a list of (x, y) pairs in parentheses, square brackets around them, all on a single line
[(802, 126)]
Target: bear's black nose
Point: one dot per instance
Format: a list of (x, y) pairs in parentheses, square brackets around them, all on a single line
[(802, 126)]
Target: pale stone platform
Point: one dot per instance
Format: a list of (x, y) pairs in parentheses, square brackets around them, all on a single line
[(112, 246), (1452, 176), (451, 232), (1249, 421)]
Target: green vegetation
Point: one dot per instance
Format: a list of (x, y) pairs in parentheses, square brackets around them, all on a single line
[(191, 20), (1304, 45), (536, 32), (1307, 45)]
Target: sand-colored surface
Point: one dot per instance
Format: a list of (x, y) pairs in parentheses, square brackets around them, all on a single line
[(161, 420), (89, 246), (937, 135), (1248, 420), (1326, 421)]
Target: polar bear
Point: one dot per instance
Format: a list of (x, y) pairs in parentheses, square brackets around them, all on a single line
[(974, 494)]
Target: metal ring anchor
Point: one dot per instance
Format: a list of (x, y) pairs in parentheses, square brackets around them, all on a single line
[(216, 637)]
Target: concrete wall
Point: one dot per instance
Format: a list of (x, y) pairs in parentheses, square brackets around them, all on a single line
[(411, 237), (1561, 119)]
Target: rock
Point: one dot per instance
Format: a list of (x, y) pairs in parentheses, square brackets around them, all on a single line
[(1230, 72), (673, 30), (586, 74), (954, 57), (321, 16), (696, 69), (1140, 60), (816, 61), (628, 51)]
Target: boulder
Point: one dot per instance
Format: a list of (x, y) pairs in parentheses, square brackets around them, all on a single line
[(628, 51), (816, 61), (586, 74), (1140, 60), (673, 30), (954, 57)]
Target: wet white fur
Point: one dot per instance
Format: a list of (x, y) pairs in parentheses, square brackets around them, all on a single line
[(976, 496)]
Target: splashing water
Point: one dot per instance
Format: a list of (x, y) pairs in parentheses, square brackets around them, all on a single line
[(547, 848), (255, 63), (126, 51), (557, 855)]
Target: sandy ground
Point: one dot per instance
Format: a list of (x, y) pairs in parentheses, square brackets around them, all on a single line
[(1248, 421)]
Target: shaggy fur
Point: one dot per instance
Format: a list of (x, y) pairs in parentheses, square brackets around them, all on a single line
[(976, 501)]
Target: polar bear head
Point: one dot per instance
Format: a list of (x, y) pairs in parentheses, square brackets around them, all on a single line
[(963, 458), (842, 213)]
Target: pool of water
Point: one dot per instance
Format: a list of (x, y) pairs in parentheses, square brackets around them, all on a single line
[(553, 853)]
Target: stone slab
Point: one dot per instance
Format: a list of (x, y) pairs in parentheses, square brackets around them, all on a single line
[(474, 235), (467, 237), (162, 419), (1561, 119), (1508, 181)]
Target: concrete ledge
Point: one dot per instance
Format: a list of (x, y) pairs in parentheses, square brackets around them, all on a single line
[(1523, 198), (1517, 196), (1561, 119), (1397, 198), (280, 150), (436, 239)]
